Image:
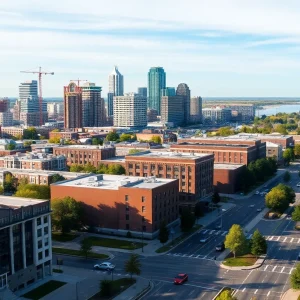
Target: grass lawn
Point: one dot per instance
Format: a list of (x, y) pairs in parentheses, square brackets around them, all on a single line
[(44, 290), (58, 237), (125, 283), (78, 253), (176, 241), (240, 261), (224, 291), (114, 243)]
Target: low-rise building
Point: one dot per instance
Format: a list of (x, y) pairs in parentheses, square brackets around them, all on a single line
[(25, 242), (194, 171), (9, 132), (125, 148), (33, 161), (274, 151), (117, 204), (216, 115), (68, 135), (6, 118), (85, 154)]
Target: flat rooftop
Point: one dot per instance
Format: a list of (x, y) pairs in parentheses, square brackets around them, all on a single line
[(89, 147), (211, 145), (223, 138), (17, 202), (227, 166), (170, 155), (114, 182), (261, 135)]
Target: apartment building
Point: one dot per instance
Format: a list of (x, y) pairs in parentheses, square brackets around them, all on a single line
[(117, 204), (85, 154), (25, 241), (216, 115), (67, 135), (194, 171)]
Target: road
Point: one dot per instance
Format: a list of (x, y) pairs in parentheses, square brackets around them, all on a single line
[(206, 277)]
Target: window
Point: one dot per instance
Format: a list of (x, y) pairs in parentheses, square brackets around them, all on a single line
[(160, 168), (40, 255), (46, 242), (39, 232), (145, 167), (46, 252), (45, 219), (143, 219), (144, 228), (127, 217), (130, 174), (38, 221), (127, 207), (46, 230), (143, 199), (127, 226), (145, 174), (40, 244), (168, 175), (169, 168), (126, 197), (143, 208)]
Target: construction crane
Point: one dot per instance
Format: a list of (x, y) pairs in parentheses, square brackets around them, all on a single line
[(40, 89), (78, 81)]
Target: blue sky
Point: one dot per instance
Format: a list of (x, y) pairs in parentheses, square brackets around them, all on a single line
[(218, 47)]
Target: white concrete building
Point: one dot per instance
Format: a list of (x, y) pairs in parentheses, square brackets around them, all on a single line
[(130, 110), (115, 82)]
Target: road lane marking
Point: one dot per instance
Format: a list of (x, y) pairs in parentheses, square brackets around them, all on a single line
[(198, 256), (284, 239), (250, 236), (268, 294), (212, 232), (193, 285), (274, 268), (243, 290), (298, 241), (205, 231), (224, 233), (271, 238), (278, 238), (217, 232), (255, 291), (192, 255), (291, 240), (266, 267), (282, 269)]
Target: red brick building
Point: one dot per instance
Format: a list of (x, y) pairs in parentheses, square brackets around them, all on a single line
[(195, 172), (118, 204), (85, 154), (68, 135)]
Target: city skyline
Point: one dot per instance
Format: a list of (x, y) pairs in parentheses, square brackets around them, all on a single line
[(220, 52)]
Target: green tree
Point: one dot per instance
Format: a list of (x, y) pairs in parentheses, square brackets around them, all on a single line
[(235, 239), (30, 134), (134, 151), (33, 191), (55, 130), (76, 168), (125, 137), (226, 295), (216, 198), (1, 190), (112, 136), (187, 219), (225, 131), (288, 155), (258, 244), (86, 247), (297, 150), (198, 212), (67, 214), (163, 232), (89, 168), (133, 265), (156, 139), (11, 146), (19, 137), (287, 176), (296, 214), (10, 183), (54, 140), (295, 278), (115, 169), (57, 177), (97, 141), (281, 128)]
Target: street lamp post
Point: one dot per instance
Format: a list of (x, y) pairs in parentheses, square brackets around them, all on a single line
[(142, 238)]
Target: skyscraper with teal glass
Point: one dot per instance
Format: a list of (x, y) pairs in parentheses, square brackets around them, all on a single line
[(156, 82)]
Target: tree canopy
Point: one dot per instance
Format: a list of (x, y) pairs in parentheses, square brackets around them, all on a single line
[(112, 136), (296, 214), (114, 169), (163, 232), (86, 247), (187, 219), (287, 176), (57, 177), (295, 277), (258, 244), (33, 191), (156, 139), (288, 155), (30, 134), (235, 239), (133, 265)]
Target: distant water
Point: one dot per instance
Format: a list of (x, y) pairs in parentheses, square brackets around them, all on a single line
[(273, 110), (251, 99)]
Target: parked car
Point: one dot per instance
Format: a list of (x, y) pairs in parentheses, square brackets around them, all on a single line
[(104, 266), (288, 217), (218, 226), (252, 205), (298, 184), (220, 247), (259, 209), (181, 278), (257, 193)]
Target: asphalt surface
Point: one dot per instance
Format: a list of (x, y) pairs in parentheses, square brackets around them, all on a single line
[(206, 278)]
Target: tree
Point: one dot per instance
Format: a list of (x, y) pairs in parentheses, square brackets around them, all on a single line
[(106, 288), (97, 141), (86, 247), (55, 130), (198, 211), (30, 134), (258, 244), (33, 191), (89, 168), (295, 278), (216, 198), (287, 176), (235, 239), (297, 150), (55, 140), (125, 137), (288, 155), (156, 139), (10, 183), (225, 131), (112, 136), (115, 169), (163, 232), (134, 151), (76, 168), (226, 295), (1, 190), (67, 214), (281, 128), (133, 265), (187, 219), (57, 177), (296, 214), (11, 146)]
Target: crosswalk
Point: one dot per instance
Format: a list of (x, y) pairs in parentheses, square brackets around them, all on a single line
[(276, 269), (213, 232), (283, 239), (197, 256)]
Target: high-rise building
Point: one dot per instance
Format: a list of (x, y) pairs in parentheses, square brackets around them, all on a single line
[(115, 82), (110, 104), (4, 105), (142, 91), (172, 108), (17, 110), (93, 108), (183, 90), (168, 91), (211, 115), (29, 104), (196, 110), (130, 110), (73, 106), (156, 82)]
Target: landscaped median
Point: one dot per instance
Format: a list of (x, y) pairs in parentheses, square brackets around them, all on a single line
[(73, 252), (179, 239), (225, 293), (66, 237)]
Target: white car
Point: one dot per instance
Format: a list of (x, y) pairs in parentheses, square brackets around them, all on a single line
[(204, 239), (104, 266), (257, 193), (259, 209), (298, 184), (252, 205)]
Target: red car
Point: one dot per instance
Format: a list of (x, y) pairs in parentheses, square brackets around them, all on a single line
[(180, 278)]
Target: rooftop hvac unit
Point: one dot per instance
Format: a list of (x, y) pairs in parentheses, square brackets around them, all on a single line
[(92, 179)]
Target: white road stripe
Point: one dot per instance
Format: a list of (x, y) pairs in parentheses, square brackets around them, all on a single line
[(204, 231), (243, 290), (266, 267), (282, 269), (192, 255), (197, 256), (278, 238), (217, 232), (291, 240), (271, 238), (291, 270), (255, 291), (224, 233), (284, 239), (268, 293), (274, 268), (298, 241), (212, 232)]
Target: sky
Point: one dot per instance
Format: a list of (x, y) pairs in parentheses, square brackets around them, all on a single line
[(220, 48)]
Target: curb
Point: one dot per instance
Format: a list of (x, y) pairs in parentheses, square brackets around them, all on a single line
[(78, 256), (255, 266), (144, 292)]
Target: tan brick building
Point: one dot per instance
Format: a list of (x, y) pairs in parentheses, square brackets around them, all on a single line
[(118, 204), (85, 154), (194, 171), (68, 135)]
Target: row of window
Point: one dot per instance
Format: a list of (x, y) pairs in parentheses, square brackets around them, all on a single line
[(46, 231), (161, 168), (40, 254)]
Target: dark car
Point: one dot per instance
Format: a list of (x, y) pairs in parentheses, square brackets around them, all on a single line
[(220, 247), (180, 278)]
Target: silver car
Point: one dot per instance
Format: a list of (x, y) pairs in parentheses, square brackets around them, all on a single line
[(104, 266)]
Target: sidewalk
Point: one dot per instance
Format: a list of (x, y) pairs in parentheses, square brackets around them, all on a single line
[(291, 295)]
